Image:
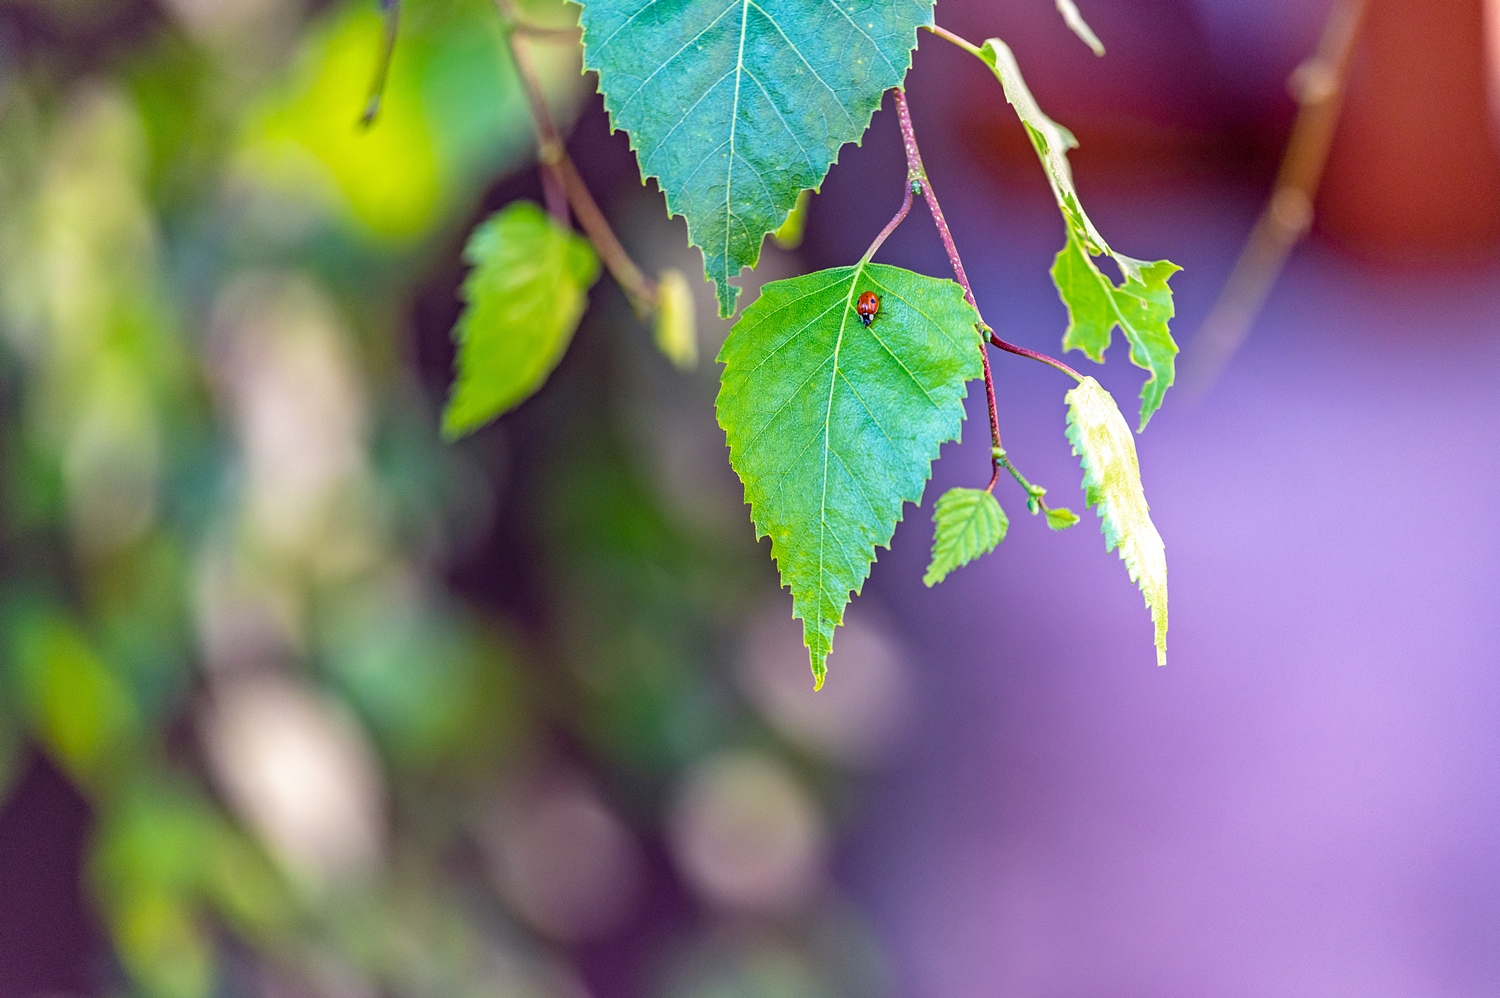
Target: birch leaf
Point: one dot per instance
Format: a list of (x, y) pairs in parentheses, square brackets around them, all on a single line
[(1112, 484), (737, 106), (833, 425), (1142, 305), (970, 523), (523, 300)]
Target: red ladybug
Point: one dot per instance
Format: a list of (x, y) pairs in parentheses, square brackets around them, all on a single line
[(869, 304)]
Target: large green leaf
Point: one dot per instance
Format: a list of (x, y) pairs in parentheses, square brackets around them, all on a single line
[(1142, 305), (524, 298), (1112, 483), (737, 106), (969, 523), (833, 425)]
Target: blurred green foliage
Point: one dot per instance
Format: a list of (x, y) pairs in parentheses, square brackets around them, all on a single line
[(229, 533)]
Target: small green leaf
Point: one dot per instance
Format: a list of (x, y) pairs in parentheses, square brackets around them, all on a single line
[(737, 106), (970, 523), (1074, 20), (833, 425), (676, 322), (1061, 518), (523, 298), (1142, 306), (1112, 484)]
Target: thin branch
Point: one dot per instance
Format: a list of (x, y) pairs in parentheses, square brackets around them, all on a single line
[(917, 182), (958, 40), (1019, 351), (1318, 85), (1034, 493), (891, 225), (552, 154), (391, 11), (544, 34)]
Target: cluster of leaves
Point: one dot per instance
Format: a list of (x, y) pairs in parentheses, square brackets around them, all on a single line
[(234, 552), (737, 109)]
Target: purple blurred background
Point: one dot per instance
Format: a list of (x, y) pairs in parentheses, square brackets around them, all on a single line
[(1306, 799)]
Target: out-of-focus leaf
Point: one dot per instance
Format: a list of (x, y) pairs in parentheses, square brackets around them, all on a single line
[(79, 706), (676, 320), (452, 114), (1142, 306), (524, 298), (833, 425), (789, 236), (309, 142), (970, 523), (434, 690), (163, 863), (737, 107), (1112, 484)]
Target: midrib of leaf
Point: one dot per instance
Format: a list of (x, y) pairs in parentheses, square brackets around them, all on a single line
[(734, 120), (833, 382)]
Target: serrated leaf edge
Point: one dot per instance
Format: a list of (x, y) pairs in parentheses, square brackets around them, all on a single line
[(726, 293), (1129, 531)]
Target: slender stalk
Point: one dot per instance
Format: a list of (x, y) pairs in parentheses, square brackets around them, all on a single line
[(958, 40), (1318, 84), (1051, 362), (391, 10), (917, 182), (1034, 493), (552, 154), (542, 34), (889, 226), (556, 197)]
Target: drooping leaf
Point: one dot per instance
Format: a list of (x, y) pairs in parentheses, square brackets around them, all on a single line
[(833, 425), (1074, 20), (737, 106), (1112, 484), (676, 325), (523, 298), (1061, 518), (969, 523), (1141, 306)]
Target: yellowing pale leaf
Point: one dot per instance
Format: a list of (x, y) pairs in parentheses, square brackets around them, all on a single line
[(676, 323), (1112, 484)]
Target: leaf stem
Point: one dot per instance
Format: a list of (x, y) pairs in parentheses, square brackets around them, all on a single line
[(917, 182), (544, 34), (1034, 501), (562, 185), (391, 11), (1052, 362), (890, 226), (958, 40)]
